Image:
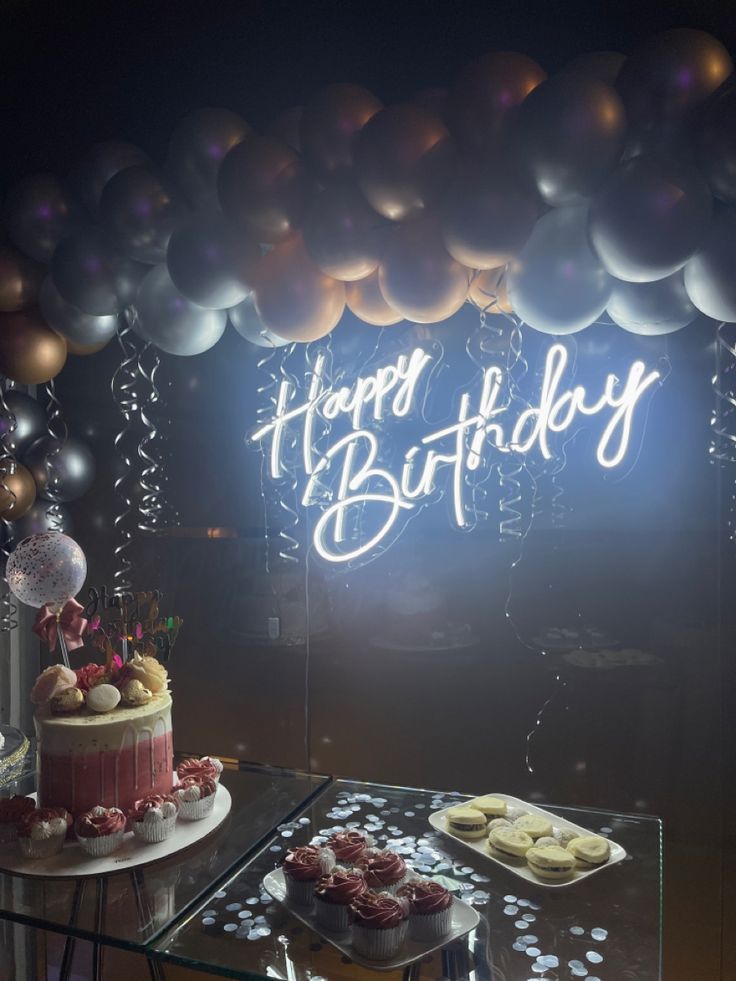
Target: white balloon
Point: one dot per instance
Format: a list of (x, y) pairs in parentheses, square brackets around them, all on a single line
[(46, 568), (244, 318)]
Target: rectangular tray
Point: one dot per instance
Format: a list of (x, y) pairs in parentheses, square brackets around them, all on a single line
[(464, 919), (438, 820)]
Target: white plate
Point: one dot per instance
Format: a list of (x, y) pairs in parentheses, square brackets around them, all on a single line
[(73, 862), (464, 919), (438, 820)]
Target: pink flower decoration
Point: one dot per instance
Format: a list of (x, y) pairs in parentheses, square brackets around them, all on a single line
[(50, 682)]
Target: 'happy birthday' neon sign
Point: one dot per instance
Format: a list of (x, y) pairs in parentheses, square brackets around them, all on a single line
[(392, 391)]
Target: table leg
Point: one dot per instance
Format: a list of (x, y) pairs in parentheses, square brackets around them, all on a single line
[(98, 948), (70, 943)]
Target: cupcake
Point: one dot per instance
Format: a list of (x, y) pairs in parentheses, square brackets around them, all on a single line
[(384, 870), (195, 796), (302, 868), (100, 831), (349, 846), (41, 832), (12, 810), (208, 766), (153, 818), (333, 895), (379, 925), (430, 909)]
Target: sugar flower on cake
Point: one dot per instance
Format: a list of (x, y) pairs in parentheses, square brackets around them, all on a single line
[(89, 676), (52, 681), (150, 672)]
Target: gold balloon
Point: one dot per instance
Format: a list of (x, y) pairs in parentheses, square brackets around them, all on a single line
[(419, 278), (20, 280), (30, 352), (404, 160), (344, 235), (366, 301), (330, 123), (486, 95), (488, 291), (294, 298), (17, 492), (84, 349)]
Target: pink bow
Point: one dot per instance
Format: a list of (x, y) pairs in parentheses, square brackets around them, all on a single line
[(72, 625)]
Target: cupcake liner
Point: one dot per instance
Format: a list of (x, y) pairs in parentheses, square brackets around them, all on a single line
[(300, 892), (332, 916), (41, 847), (101, 845), (154, 832), (378, 945), (195, 810), (430, 926)]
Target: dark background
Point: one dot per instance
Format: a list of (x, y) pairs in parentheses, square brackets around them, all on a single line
[(642, 561)]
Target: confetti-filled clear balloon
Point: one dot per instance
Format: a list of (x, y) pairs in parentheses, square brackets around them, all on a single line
[(46, 568)]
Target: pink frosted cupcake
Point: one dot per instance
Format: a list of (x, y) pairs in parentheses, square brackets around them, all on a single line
[(384, 871), (12, 810), (302, 868), (100, 831), (153, 818), (333, 895), (379, 925), (430, 909), (208, 767), (195, 796), (349, 846), (41, 832)]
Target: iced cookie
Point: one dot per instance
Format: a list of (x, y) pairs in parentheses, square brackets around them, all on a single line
[(535, 825), (551, 862), (466, 822), (509, 844), (492, 807), (590, 851)]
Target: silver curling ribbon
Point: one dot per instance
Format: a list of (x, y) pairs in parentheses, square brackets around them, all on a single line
[(8, 609), (722, 448), (151, 509), (58, 433)]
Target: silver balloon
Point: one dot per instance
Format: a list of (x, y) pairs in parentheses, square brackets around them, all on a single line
[(67, 320), (652, 309), (39, 214), (140, 212), (557, 285), (173, 323), (198, 145), (38, 520), (73, 467), (30, 421), (83, 269), (212, 262), (244, 318), (128, 278), (710, 276), (99, 165)]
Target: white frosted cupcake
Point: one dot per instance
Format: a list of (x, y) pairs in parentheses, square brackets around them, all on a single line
[(41, 832), (430, 909), (196, 797), (379, 925), (153, 818), (100, 831)]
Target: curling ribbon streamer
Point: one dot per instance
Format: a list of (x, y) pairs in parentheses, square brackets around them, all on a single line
[(58, 432), (152, 506), (723, 420), (510, 471), (287, 487), (69, 622), (8, 609)]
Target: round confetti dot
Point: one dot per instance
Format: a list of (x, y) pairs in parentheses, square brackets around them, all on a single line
[(577, 968), (518, 945), (233, 907), (529, 917), (221, 894), (520, 925), (231, 927), (509, 899), (304, 821), (593, 957), (275, 848), (577, 931), (529, 938), (533, 951), (548, 960), (511, 910), (245, 914), (606, 831), (253, 901), (599, 934), (208, 921)]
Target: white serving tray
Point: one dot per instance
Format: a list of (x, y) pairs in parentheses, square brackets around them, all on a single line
[(464, 919), (438, 820), (72, 862)]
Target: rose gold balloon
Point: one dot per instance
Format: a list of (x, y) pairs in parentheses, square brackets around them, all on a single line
[(30, 352), (84, 349), (264, 188), (418, 277), (404, 160), (366, 301), (330, 123), (343, 234), (488, 291), (294, 298), (20, 494), (285, 127), (20, 280), (486, 95)]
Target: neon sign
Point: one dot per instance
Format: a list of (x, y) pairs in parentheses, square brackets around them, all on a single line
[(351, 463)]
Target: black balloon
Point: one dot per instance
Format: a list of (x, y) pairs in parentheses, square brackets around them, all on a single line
[(173, 323), (652, 309), (603, 65), (38, 520), (198, 146), (140, 212), (710, 276), (30, 421), (39, 214), (717, 144), (649, 218), (73, 467), (99, 165), (80, 328), (83, 270), (212, 262)]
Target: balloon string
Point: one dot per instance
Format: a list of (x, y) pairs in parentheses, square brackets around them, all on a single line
[(722, 449), (266, 410), (8, 609), (58, 433), (152, 506), (123, 386), (287, 487)]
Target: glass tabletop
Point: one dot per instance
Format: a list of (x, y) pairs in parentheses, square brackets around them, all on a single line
[(130, 908), (605, 927)]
